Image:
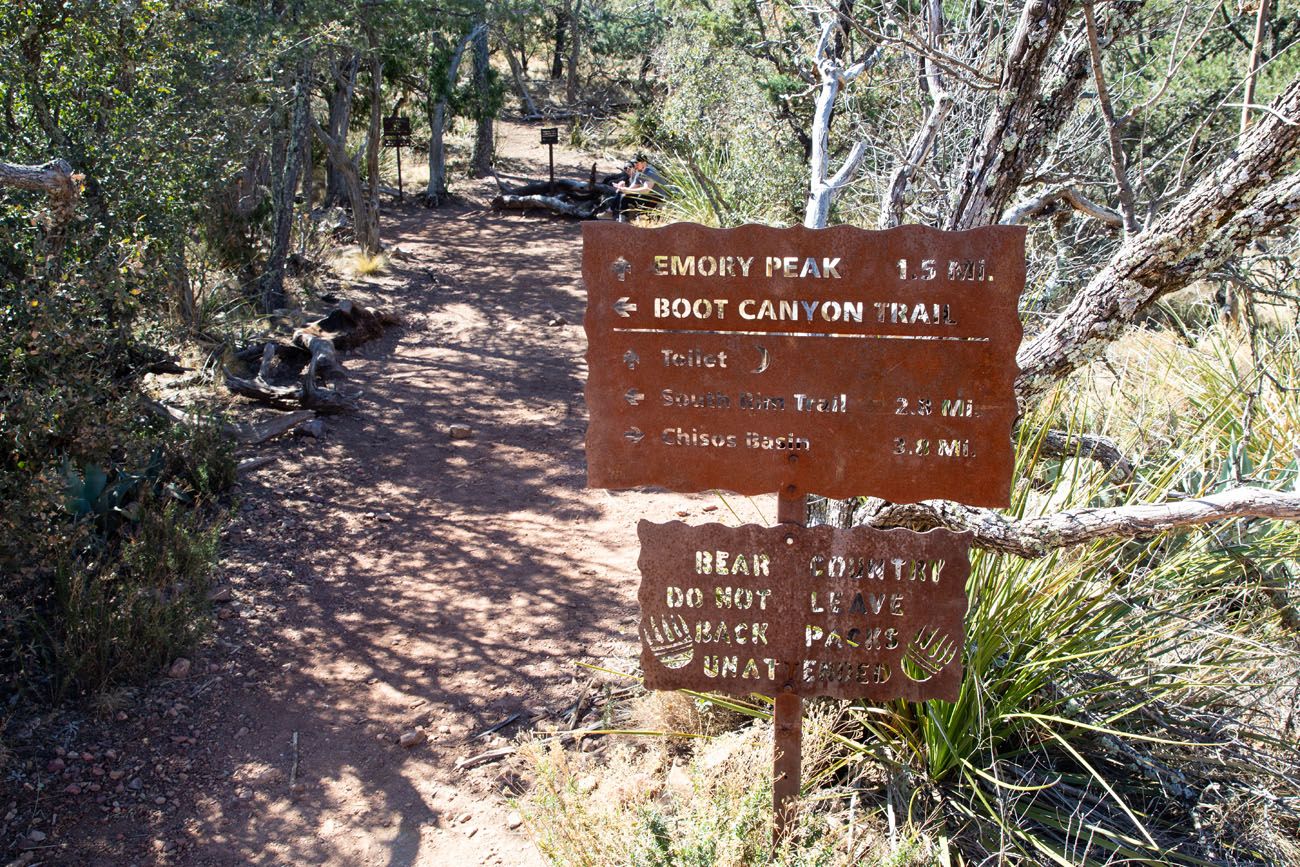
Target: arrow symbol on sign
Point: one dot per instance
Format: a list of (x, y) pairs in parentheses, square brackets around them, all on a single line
[(634, 396), (633, 435), (623, 306), (631, 359)]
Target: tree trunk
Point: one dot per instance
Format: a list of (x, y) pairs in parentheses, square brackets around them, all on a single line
[(521, 84), (373, 139), (561, 24), (438, 107), (365, 223), (575, 48), (344, 78), (286, 155), (822, 189), (1247, 195), (481, 160)]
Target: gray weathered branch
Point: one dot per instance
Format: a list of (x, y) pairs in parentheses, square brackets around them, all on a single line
[(922, 143), (1036, 206), (1103, 450), (1036, 537), (1249, 194), (834, 75)]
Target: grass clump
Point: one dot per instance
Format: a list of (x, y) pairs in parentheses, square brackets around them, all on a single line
[(1128, 701)]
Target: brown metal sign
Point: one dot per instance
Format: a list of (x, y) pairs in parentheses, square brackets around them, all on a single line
[(853, 614), (550, 135), (397, 132), (836, 361)]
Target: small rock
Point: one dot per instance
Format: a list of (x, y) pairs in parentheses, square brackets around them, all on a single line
[(34, 836), (56, 765), (220, 594), (444, 729), (135, 784), (679, 781), (72, 789), (384, 516), (116, 775), (682, 513), (243, 731), (160, 800), (710, 509), (413, 738), (557, 320), (460, 431), (180, 668), (514, 820), (120, 716), (314, 428)]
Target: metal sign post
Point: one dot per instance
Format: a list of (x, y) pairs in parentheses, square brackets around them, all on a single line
[(550, 137), (397, 134), (839, 362)]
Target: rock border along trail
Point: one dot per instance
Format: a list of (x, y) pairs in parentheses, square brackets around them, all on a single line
[(390, 579)]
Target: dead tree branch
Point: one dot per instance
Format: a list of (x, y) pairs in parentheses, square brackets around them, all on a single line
[(834, 75), (1032, 538), (63, 187), (1246, 196), (1103, 450), (1118, 160), (1040, 204), (922, 143)]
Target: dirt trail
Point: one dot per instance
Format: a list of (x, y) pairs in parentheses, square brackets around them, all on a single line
[(388, 577)]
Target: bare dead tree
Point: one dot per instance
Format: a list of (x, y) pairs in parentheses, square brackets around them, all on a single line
[(1055, 51), (834, 75)]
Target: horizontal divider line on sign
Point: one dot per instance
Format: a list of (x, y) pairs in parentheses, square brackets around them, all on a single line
[(949, 338)]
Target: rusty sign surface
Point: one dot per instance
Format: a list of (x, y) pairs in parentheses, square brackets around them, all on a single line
[(397, 132), (859, 613), (836, 361)]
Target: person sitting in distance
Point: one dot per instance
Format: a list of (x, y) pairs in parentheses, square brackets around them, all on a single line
[(639, 193)]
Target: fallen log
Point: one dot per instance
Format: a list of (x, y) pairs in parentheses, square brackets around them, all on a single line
[(245, 433), (546, 203), (563, 188), (281, 380)]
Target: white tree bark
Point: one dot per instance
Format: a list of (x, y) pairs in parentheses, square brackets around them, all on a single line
[(834, 76)]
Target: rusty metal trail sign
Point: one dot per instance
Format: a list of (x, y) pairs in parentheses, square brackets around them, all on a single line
[(838, 361), (851, 614)]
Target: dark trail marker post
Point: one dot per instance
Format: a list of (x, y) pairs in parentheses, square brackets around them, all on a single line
[(550, 137), (840, 362), (397, 134)]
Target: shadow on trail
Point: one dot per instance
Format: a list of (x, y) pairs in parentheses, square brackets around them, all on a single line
[(427, 579)]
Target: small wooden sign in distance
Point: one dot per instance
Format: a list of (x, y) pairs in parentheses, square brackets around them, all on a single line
[(841, 361), (851, 614), (550, 135)]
